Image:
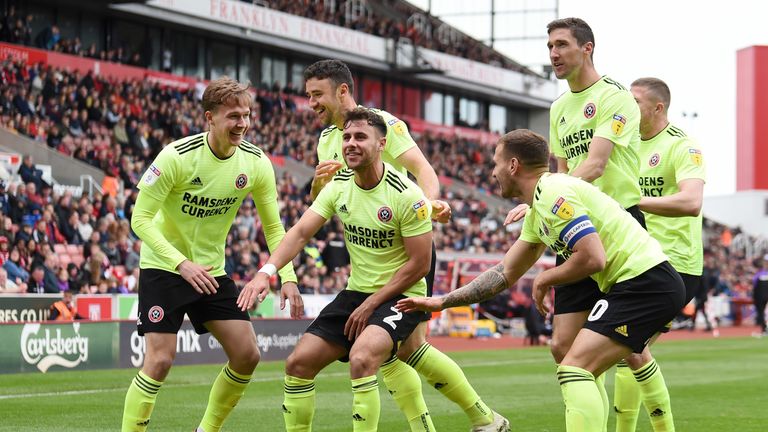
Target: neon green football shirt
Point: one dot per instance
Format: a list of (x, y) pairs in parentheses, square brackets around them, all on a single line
[(606, 109), (375, 222), (398, 142), (667, 159), (566, 208), (200, 196)]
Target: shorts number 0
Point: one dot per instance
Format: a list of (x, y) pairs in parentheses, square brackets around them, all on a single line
[(598, 310), (392, 318)]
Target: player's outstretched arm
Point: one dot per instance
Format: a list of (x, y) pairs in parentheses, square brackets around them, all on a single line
[(518, 259), (415, 163), (686, 202), (293, 242)]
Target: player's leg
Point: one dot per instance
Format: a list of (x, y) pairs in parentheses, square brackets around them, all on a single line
[(239, 343), (630, 392), (310, 356), (400, 326), (371, 348), (232, 327), (141, 395), (590, 355), (442, 373), (163, 299), (571, 307), (322, 343)]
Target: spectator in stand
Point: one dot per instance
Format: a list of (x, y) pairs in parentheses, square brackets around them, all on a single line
[(48, 38), (30, 173), (16, 267), (37, 282), (8, 286), (64, 310)]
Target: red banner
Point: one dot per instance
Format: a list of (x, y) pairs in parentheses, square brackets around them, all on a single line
[(95, 307), (99, 68)]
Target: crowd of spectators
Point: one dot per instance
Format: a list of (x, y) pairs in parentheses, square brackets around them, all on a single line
[(422, 32)]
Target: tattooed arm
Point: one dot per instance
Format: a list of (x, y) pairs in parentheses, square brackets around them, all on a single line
[(520, 257)]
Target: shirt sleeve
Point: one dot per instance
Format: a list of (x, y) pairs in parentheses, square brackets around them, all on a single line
[(689, 161), (528, 232), (264, 194), (415, 211), (155, 185), (618, 119), (144, 211), (159, 179), (324, 204), (554, 138), (399, 140)]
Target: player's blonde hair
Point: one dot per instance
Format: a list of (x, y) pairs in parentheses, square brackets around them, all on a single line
[(658, 88), (225, 91)]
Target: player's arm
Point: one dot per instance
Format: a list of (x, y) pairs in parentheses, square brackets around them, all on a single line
[(518, 259), (419, 251), (264, 194), (594, 166), (294, 241), (562, 165), (686, 202), (415, 163)]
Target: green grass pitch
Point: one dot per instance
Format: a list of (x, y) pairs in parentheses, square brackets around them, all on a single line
[(716, 385)]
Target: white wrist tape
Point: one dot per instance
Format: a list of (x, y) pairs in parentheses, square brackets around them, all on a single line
[(269, 269)]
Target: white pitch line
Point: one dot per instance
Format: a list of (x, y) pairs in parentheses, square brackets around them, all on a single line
[(255, 379)]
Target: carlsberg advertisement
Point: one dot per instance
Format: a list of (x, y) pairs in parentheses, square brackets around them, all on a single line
[(36, 347)]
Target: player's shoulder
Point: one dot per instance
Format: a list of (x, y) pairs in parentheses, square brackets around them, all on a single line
[(328, 131), (187, 145), (612, 85), (343, 176), (251, 149), (399, 181)]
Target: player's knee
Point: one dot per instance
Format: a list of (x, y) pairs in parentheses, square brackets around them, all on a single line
[(362, 363), (634, 361), (249, 358), (559, 349), (295, 366), (158, 364)]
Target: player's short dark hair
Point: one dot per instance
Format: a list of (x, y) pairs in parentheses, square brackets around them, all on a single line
[(224, 91), (367, 115), (332, 69), (578, 27), (527, 146), (658, 88)]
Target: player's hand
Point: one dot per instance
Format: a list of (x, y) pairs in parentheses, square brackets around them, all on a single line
[(425, 304), (441, 211), (324, 172), (539, 292), (198, 276), (358, 320), (516, 214), (255, 290), (289, 291)]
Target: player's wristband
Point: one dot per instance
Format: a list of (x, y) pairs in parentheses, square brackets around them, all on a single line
[(269, 269)]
